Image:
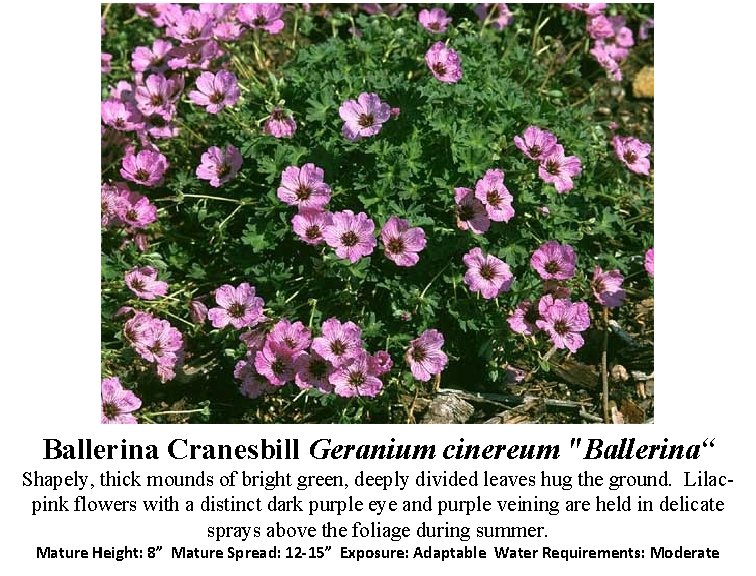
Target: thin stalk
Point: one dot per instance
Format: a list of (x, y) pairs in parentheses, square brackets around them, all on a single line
[(604, 373)]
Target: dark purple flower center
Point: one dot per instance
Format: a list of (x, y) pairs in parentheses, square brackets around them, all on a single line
[(630, 156), (194, 57), (318, 368), (433, 25), (119, 123), (278, 366), (439, 69), (131, 215), (192, 33), (290, 342), (418, 353), (277, 114), (110, 410), (598, 285), (156, 99), (349, 239), (137, 284), (356, 379), (141, 174), (552, 167), (223, 169), (338, 347), (534, 150), (156, 60), (156, 348), (465, 212), (216, 97), (487, 272), (260, 21), (303, 192), (365, 120), (395, 246), (493, 198), (552, 267), (237, 310), (561, 328), (313, 232)]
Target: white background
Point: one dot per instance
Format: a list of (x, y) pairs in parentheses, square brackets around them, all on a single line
[(704, 319)]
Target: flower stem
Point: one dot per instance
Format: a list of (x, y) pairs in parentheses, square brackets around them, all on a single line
[(604, 373)]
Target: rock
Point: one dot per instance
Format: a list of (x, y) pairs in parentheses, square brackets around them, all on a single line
[(643, 83)]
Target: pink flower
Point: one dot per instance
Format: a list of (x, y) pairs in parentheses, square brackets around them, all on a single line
[(112, 204), (135, 329), (554, 261), (355, 379), (197, 311), (339, 342), (236, 306), (121, 115), (633, 153), (190, 26), (219, 165), (277, 362), (252, 384), (157, 97), (503, 14), (645, 26), (192, 56), (425, 356), (380, 363), (563, 321), (314, 372), (607, 58), (444, 63), (295, 337), (623, 36), (264, 16), (363, 117), (144, 283), (118, 403), (495, 197), (160, 343), (434, 20), (588, 9), (310, 223), (599, 27), (607, 287), (144, 58), (402, 243), (536, 144), (559, 170), (137, 212), (649, 262), (215, 91), (158, 12), (146, 167), (471, 212), (350, 235), (304, 187), (523, 319), (486, 274), (105, 62), (279, 124), (227, 31), (254, 339)]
